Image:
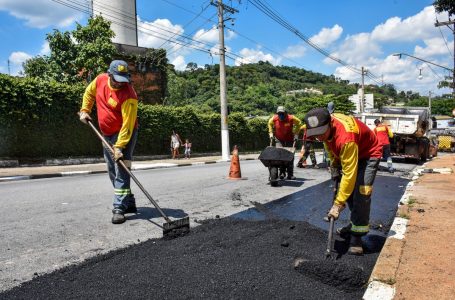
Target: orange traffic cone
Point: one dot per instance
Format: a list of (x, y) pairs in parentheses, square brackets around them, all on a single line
[(234, 170)]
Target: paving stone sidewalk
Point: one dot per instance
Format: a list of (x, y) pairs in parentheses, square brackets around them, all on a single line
[(417, 260)]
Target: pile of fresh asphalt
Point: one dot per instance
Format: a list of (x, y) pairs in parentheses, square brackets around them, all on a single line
[(220, 259)]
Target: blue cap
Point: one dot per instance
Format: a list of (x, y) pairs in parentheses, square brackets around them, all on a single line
[(119, 69)]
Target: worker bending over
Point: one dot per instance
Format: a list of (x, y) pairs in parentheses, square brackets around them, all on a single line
[(284, 131), (354, 150)]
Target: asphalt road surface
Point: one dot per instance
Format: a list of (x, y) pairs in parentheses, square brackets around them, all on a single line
[(52, 223)]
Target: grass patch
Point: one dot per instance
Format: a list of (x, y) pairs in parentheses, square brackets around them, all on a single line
[(404, 215), (389, 281)]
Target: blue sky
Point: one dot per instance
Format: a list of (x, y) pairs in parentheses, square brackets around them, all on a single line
[(360, 33)]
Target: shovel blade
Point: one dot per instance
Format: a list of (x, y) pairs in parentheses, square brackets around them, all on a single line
[(177, 227)]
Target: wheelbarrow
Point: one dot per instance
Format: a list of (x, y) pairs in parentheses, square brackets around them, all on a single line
[(275, 159)]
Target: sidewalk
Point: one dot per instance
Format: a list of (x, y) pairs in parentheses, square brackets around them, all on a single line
[(418, 258), (24, 173)]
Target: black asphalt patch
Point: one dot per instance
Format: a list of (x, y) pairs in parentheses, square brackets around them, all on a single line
[(220, 259)]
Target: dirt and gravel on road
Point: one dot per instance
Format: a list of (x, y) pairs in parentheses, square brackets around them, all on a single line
[(426, 267)]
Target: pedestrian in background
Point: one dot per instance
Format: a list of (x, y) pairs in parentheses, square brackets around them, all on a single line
[(116, 106), (175, 145), (384, 134), (354, 154), (187, 146)]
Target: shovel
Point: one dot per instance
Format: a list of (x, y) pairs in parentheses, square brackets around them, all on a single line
[(170, 228), (328, 251)]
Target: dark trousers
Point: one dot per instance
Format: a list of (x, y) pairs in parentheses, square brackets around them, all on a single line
[(360, 200), (309, 151), (385, 151), (290, 168)]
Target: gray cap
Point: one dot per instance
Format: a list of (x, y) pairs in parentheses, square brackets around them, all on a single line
[(119, 69), (317, 121), (280, 109)]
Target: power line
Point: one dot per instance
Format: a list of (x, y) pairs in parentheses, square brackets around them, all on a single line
[(274, 15), (86, 9)]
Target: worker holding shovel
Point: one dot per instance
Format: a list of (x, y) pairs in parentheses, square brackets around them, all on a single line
[(353, 148), (116, 105)]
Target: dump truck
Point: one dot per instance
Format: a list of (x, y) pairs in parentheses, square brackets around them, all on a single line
[(411, 130)]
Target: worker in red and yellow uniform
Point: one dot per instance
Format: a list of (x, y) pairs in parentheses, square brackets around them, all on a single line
[(383, 134), (354, 150), (116, 106), (284, 131)]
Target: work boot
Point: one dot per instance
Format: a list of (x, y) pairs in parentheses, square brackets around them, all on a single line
[(344, 232), (118, 216), (131, 208), (355, 245), (291, 177), (315, 166)]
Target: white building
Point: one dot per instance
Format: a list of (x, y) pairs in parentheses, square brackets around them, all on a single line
[(368, 102)]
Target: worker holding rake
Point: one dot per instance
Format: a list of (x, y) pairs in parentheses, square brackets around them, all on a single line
[(116, 106), (354, 150)]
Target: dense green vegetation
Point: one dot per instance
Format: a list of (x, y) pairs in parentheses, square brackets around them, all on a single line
[(257, 89)]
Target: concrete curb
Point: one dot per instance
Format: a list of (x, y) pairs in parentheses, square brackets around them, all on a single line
[(383, 277), (88, 172)]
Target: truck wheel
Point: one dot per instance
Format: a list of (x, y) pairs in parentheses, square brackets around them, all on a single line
[(273, 176)]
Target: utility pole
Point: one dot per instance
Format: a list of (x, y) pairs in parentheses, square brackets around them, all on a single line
[(429, 101), (362, 93), (223, 99), (9, 68), (447, 23)]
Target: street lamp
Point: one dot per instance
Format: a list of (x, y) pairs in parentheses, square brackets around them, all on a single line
[(429, 62)]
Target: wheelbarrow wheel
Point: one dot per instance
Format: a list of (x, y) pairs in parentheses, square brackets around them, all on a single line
[(273, 176)]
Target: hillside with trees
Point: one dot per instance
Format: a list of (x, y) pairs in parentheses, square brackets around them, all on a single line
[(257, 89)]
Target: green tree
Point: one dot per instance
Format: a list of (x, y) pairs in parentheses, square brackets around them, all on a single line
[(444, 5), (76, 55)]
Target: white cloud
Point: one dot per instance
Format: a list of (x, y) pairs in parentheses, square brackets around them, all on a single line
[(41, 13), (45, 50), (212, 35), (179, 63), (434, 47), (356, 49), (295, 51), (327, 36), (154, 34), (254, 55), (419, 26), (19, 57), (16, 60)]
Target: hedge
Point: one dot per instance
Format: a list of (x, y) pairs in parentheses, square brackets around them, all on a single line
[(39, 121)]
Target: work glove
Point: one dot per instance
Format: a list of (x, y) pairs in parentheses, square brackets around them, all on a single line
[(118, 154), (84, 116), (335, 172), (335, 211), (271, 137)]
